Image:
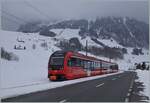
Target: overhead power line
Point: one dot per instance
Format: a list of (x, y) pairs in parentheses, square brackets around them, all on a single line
[(37, 9), (10, 19), (15, 17)]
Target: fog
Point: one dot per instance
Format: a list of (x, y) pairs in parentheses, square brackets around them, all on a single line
[(16, 12)]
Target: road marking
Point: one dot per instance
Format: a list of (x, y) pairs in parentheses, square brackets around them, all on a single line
[(128, 94), (126, 99), (131, 85), (100, 85), (130, 90), (63, 101)]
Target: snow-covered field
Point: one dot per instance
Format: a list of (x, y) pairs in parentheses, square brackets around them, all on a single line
[(31, 69)]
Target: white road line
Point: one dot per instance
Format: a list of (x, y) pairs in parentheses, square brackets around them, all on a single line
[(128, 94), (131, 85), (126, 99), (130, 90), (100, 85), (63, 101)]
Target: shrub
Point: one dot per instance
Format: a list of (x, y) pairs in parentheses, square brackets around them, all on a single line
[(8, 56)]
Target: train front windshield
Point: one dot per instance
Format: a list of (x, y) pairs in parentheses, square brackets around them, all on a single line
[(57, 61)]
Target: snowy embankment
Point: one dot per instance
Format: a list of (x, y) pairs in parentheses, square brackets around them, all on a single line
[(12, 92), (144, 77)]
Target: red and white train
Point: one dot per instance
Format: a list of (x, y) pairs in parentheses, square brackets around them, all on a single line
[(70, 65)]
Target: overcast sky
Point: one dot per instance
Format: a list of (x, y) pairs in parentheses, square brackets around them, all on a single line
[(27, 10)]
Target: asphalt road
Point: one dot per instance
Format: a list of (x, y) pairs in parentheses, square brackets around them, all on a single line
[(108, 89)]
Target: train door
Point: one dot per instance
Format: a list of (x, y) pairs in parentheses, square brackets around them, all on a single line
[(75, 67), (87, 67)]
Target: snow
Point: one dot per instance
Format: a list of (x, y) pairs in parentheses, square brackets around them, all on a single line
[(90, 42), (110, 43), (144, 77), (71, 33), (124, 22), (66, 33)]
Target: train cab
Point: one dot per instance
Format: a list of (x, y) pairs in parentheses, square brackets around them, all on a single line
[(56, 65)]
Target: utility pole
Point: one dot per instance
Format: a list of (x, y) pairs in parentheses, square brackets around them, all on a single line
[(86, 46)]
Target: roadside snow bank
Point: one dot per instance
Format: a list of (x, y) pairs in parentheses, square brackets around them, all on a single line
[(12, 92), (144, 77)]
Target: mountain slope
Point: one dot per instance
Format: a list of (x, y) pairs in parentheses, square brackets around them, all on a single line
[(126, 31)]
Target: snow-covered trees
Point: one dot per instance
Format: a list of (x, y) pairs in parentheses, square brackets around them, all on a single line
[(142, 66), (72, 44), (137, 51), (46, 32)]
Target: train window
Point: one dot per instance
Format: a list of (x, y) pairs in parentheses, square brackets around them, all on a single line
[(85, 64), (92, 66), (104, 65), (114, 67), (69, 62), (89, 65), (78, 61), (82, 63), (98, 65), (111, 66), (107, 65), (57, 61), (72, 62), (117, 66), (75, 62)]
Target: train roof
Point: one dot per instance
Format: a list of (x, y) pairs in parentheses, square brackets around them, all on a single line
[(76, 54)]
